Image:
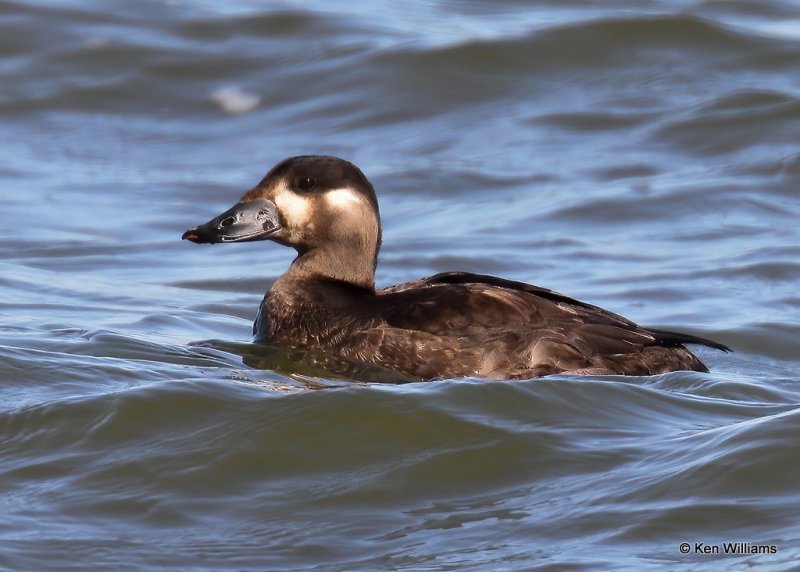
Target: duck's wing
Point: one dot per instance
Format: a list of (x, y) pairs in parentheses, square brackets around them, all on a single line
[(482, 303)]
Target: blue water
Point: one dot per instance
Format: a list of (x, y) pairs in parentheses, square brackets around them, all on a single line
[(641, 156)]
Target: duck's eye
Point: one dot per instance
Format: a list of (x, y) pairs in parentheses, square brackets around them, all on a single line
[(307, 184)]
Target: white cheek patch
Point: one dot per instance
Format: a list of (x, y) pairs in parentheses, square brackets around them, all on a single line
[(296, 209), (352, 216), (344, 199)]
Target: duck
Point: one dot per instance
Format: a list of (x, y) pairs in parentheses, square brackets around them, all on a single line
[(449, 325)]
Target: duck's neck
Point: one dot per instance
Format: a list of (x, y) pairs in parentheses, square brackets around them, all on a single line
[(352, 262)]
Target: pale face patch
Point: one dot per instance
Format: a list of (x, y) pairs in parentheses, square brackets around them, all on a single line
[(295, 208), (344, 198), (353, 214)]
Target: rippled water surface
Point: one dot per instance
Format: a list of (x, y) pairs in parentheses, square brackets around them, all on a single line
[(642, 156)]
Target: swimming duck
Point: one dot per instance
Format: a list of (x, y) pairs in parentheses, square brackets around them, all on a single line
[(454, 324)]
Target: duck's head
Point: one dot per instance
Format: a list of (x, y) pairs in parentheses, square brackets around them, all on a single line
[(324, 207)]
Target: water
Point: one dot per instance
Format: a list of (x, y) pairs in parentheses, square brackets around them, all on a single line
[(641, 156)]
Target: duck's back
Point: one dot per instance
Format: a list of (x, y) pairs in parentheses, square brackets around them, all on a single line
[(490, 327)]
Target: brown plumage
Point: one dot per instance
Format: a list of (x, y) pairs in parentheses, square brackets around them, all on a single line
[(450, 325)]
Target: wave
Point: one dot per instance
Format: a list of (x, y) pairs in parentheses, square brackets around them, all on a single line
[(488, 457), (606, 42), (145, 64)]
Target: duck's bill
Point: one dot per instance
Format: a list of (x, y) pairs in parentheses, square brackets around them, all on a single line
[(251, 220)]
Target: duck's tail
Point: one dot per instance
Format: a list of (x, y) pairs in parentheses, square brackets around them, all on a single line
[(667, 338)]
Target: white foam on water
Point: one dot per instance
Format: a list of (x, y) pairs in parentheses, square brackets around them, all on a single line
[(235, 100)]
